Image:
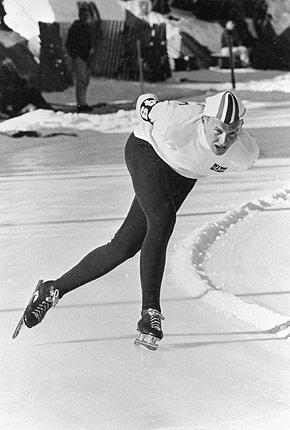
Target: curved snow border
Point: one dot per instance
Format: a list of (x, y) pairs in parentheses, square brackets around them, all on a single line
[(190, 255)]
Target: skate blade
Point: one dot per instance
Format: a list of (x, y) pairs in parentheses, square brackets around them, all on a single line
[(147, 340), (21, 321), (18, 328)]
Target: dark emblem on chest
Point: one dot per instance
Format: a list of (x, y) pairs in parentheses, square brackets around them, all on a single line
[(218, 168)]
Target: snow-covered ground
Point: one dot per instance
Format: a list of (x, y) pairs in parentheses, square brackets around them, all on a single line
[(223, 364), (124, 121)]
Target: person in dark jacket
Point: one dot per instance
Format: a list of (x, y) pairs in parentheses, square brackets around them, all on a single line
[(80, 47)]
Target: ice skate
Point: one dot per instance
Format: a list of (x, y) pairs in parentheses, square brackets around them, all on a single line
[(149, 328), (44, 297)]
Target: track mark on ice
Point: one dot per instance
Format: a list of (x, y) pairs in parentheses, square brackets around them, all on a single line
[(190, 255)]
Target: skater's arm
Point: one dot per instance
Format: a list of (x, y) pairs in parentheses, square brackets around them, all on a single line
[(150, 110), (144, 106)]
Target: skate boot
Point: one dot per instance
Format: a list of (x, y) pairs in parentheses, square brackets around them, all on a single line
[(44, 297), (149, 328)]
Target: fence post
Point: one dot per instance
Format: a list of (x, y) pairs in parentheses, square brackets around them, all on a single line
[(231, 58), (140, 65)]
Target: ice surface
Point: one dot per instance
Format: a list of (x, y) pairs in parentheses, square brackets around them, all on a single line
[(216, 368)]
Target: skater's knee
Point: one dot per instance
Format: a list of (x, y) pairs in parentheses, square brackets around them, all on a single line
[(126, 249), (163, 219), (131, 250)]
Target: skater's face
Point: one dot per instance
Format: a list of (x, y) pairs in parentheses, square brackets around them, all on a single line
[(220, 136)]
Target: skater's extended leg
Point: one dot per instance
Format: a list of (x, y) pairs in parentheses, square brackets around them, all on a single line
[(126, 242), (124, 245), (148, 226)]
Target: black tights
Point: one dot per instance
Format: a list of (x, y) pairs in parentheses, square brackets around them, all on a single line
[(159, 192)]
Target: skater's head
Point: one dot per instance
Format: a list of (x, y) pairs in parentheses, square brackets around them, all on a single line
[(223, 118), (225, 106)]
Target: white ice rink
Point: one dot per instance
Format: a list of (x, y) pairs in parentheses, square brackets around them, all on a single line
[(218, 367)]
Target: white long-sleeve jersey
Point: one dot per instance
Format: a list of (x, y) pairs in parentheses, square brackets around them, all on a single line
[(176, 132)]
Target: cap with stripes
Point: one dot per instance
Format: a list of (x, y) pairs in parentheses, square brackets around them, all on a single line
[(225, 106)]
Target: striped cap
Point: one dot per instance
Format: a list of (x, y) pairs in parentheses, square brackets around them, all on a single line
[(225, 106)]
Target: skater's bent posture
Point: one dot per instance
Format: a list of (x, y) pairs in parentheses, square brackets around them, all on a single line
[(174, 144)]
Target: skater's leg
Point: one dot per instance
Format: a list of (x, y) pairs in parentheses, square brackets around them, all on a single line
[(127, 241), (148, 226), (161, 208), (125, 244), (152, 180), (181, 187), (153, 252)]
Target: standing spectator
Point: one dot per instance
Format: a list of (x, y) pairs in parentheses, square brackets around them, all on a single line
[(79, 44)]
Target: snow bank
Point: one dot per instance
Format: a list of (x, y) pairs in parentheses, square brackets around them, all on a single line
[(119, 122), (192, 252)]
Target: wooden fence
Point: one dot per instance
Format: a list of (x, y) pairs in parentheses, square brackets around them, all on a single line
[(116, 52)]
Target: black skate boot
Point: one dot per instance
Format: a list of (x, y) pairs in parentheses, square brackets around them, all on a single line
[(149, 328), (44, 297)]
